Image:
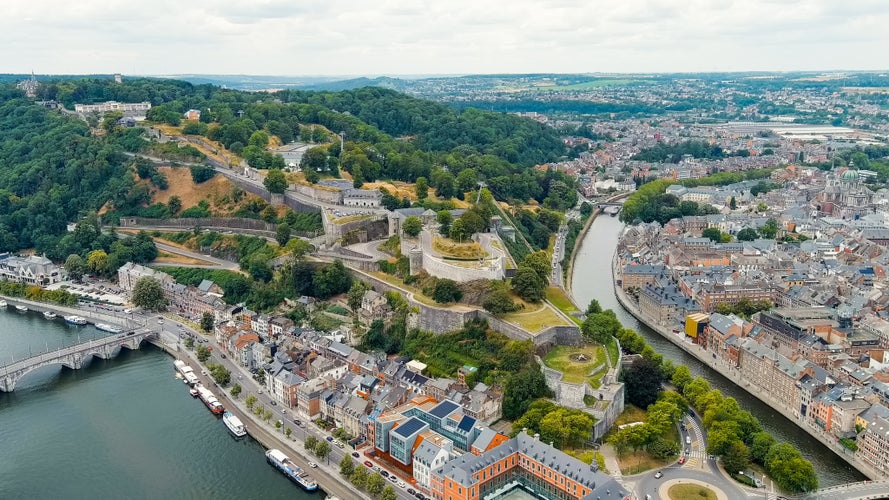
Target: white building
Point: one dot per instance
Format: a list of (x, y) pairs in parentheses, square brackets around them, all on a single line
[(104, 107), (430, 456), (33, 269)]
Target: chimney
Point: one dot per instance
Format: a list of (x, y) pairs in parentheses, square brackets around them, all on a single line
[(536, 437)]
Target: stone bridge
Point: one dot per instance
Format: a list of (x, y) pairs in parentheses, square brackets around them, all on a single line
[(72, 357), (850, 491)]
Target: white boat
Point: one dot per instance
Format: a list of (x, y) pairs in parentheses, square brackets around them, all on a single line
[(49, 315), (20, 308), (296, 474), (75, 320), (193, 392), (3, 303), (105, 327), (210, 400), (234, 424)]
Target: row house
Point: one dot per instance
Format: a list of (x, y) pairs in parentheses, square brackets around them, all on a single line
[(665, 304), (873, 444), (637, 276), (772, 373), (308, 396)]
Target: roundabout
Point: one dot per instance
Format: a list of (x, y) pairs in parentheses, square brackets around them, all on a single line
[(690, 489)]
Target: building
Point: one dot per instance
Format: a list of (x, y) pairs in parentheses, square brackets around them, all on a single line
[(873, 444), (138, 108), (129, 273), (431, 455), (370, 198), (525, 463), (637, 276), (33, 269)]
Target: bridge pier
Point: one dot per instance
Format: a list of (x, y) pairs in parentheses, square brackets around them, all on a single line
[(72, 357)]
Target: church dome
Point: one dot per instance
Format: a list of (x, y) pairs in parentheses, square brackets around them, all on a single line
[(850, 176)]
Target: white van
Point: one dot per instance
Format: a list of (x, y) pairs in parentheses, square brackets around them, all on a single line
[(687, 439)]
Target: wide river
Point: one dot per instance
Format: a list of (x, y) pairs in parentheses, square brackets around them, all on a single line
[(592, 280), (121, 428)]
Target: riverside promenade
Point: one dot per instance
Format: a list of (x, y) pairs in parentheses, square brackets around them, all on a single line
[(734, 375)]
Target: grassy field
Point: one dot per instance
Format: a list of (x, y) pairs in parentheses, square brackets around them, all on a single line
[(535, 320), (613, 353), (559, 358), (593, 84), (176, 259), (631, 414), (556, 296), (350, 218), (690, 492), (451, 248)]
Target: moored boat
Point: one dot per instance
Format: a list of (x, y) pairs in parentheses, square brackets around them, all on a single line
[(193, 392), (105, 327), (75, 320), (49, 315), (3, 303), (20, 308), (234, 424), (296, 474), (210, 400)]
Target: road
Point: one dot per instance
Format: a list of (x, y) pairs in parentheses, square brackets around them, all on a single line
[(174, 331)]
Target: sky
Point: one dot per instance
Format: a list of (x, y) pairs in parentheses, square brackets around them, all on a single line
[(416, 37)]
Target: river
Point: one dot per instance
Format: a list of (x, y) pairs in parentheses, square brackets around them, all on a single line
[(119, 428), (592, 280)]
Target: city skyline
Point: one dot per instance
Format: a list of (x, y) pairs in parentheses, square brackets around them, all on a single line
[(402, 38)]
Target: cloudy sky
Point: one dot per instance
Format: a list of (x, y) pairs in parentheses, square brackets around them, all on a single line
[(412, 37)]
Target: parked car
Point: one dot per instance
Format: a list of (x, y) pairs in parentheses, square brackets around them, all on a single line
[(401, 484), (355, 454), (367, 463), (384, 473), (410, 491), (313, 465), (329, 439), (393, 479)]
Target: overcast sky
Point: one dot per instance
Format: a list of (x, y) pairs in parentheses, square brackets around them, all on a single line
[(405, 37)]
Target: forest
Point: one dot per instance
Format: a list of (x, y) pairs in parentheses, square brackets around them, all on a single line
[(55, 168)]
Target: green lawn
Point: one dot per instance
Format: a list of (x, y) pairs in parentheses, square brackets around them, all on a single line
[(535, 320), (613, 353), (559, 358), (690, 492)]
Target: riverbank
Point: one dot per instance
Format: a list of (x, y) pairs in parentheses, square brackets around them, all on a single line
[(92, 315), (266, 434), (734, 375), (578, 242)]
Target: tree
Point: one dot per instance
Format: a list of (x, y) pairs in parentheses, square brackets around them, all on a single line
[(445, 219), (282, 233), (412, 226), (375, 484), (175, 205), (356, 294), (736, 458), (75, 267), (662, 415), (643, 382), (358, 477), (388, 493), (527, 284), (331, 279), (769, 230), (189, 343), (278, 425), (747, 234), (593, 308), (235, 390), (458, 230), (760, 445), (347, 466), (422, 188), (275, 181), (149, 294), (310, 443), (322, 449), (601, 327), (540, 262), (681, 377), (97, 261), (499, 301), (466, 180), (219, 373), (733, 203), (722, 436), (712, 233), (201, 173), (207, 321), (446, 290), (202, 353), (521, 389), (287, 432), (250, 401)]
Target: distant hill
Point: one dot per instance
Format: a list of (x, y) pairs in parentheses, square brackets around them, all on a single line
[(357, 83)]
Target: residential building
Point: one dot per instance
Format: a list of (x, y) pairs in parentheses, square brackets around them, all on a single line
[(33, 269)]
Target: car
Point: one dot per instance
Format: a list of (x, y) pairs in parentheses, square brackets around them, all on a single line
[(681, 460), (384, 473), (329, 439), (401, 484), (223, 356), (658, 475), (340, 444), (377, 468), (367, 463), (687, 451), (274, 403), (355, 454), (313, 465), (259, 391), (393, 478), (420, 496), (410, 491)]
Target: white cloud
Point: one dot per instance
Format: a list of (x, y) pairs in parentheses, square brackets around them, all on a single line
[(352, 37)]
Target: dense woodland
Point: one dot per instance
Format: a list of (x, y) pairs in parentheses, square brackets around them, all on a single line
[(54, 168)]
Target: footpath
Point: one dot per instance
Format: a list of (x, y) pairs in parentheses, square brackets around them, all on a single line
[(325, 474)]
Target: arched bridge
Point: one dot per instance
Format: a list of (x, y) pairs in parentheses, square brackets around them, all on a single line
[(72, 357)]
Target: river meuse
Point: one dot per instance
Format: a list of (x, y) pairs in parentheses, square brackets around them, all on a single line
[(592, 280), (121, 428)]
